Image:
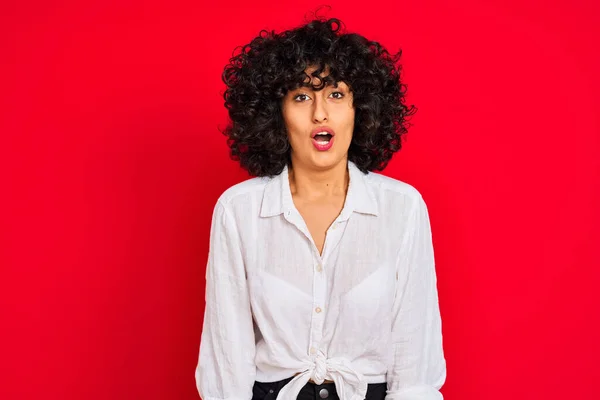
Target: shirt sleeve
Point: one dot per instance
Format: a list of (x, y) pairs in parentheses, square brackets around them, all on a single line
[(226, 367), (418, 369)]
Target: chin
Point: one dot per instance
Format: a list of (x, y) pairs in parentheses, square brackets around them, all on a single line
[(325, 161)]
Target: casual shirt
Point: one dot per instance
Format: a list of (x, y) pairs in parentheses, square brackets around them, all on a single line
[(364, 311)]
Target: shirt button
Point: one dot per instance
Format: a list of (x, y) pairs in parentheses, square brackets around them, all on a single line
[(324, 393), (319, 268), (313, 350), (318, 310)]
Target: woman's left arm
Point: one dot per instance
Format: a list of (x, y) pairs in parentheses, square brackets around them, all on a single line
[(418, 370)]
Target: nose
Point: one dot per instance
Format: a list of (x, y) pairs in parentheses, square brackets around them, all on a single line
[(319, 110)]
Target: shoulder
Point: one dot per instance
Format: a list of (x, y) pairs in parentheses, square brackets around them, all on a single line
[(243, 192), (387, 186), (396, 198)]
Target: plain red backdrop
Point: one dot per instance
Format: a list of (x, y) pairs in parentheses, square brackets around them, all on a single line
[(111, 161)]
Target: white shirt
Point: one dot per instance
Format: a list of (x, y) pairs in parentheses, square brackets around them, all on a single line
[(365, 311)]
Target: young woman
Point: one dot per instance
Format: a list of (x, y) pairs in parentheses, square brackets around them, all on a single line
[(320, 281)]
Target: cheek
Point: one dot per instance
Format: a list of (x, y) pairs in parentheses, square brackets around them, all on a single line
[(349, 118), (295, 125), (291, 120), (293, 133)]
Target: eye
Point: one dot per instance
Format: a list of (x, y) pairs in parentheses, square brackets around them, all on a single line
[(301, 97), (337, 95)]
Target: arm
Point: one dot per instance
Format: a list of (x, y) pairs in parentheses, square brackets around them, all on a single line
[(226, 368), (418, 370)]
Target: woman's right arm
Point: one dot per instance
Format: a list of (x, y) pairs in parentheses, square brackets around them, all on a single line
[(226, 367)]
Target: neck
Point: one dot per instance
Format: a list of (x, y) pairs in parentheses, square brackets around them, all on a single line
[(310, 183)]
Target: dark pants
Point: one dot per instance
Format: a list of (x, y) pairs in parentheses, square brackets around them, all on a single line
[(312, 391)]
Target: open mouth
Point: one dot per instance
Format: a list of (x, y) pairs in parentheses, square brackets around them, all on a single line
[(323, 138)]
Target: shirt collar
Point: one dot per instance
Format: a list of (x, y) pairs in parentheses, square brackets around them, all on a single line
[(277, 197)]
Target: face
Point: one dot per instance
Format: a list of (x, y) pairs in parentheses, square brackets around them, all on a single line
[(307, 112)]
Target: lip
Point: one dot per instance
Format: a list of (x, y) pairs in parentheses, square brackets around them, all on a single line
[(320, 146), (314, 132)]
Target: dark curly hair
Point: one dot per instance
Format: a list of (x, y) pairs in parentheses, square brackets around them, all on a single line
[(259, 75)]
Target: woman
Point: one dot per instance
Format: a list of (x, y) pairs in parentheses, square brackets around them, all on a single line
[(320, 281)]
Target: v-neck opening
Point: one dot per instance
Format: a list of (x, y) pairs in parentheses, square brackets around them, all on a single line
[(288, 201)]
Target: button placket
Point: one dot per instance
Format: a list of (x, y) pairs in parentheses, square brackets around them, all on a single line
[(319, 297), (334, 235), (332, 239)]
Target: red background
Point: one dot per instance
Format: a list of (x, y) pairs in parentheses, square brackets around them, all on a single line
[(111, 162)]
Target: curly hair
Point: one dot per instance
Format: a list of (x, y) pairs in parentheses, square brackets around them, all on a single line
[(263, 71)]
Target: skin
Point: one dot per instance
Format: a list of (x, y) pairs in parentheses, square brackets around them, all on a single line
[(319, 179)]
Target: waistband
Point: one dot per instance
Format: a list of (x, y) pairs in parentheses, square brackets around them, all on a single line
[(374, 390)]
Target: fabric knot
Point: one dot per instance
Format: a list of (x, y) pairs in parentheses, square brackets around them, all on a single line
[(320, 372), (350, 384)]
